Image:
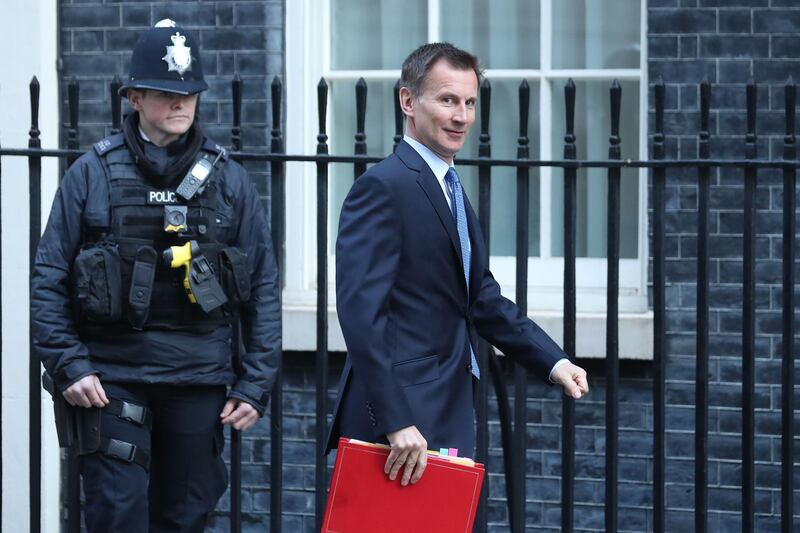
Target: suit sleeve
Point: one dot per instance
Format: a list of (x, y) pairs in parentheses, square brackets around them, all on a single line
[(55, 338), (500, 321), (261, 315), (367, 258)]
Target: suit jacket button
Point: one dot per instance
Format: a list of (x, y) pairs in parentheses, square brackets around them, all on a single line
[(469, 368)]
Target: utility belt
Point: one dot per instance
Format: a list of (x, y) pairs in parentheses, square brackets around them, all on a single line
[(80, 429), (127, 283)]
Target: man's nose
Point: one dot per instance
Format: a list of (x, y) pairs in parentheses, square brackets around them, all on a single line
[(460, 113)]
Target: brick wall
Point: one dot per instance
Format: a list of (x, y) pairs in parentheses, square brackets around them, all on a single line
[(543, 468), (244, 37), (726, 42)]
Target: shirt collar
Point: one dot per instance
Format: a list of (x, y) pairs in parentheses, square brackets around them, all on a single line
[(437, 166), (144, 135)]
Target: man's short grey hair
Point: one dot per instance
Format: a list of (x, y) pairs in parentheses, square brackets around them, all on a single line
[(420, 61)]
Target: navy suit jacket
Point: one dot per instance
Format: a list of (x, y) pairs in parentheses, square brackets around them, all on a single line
[(406, 315)]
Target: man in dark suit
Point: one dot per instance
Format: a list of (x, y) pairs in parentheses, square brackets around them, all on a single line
[(413, 288)]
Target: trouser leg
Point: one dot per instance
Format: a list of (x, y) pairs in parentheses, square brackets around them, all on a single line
[(187, 473), (116, 491)]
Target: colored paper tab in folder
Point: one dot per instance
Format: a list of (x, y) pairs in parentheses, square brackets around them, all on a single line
[(362, 499)]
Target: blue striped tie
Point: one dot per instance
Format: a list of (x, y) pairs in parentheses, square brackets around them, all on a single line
[(460, 214)]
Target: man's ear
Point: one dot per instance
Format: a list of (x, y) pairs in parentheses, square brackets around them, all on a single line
[(406, 101)]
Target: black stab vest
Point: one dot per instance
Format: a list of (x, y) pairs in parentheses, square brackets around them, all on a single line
[(137, 219)]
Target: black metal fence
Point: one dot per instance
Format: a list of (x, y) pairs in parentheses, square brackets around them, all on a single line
[(513, 434)]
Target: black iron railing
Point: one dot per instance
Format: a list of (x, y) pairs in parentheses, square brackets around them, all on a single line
[(513, 434)]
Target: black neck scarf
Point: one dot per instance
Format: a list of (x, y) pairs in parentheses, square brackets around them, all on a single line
[(181, 152)]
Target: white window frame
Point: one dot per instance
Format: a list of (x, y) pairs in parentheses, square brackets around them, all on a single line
[(308, 59)]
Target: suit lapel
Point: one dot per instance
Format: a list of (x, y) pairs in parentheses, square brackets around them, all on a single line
[(433, 191), (430, 185)]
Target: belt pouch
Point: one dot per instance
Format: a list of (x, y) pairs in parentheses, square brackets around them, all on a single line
[(141, 291), (97, 286), (88, 429)]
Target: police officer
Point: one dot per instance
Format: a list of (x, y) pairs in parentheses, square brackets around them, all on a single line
[(156, 245)]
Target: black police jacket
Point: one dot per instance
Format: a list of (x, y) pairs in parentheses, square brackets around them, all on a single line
[(155, 356)]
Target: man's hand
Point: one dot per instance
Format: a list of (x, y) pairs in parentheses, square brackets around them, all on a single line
[(409, 448), (572, 378), (86, 392), (239, 414)]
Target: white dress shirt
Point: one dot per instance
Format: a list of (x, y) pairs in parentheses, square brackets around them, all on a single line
[(435, 163)]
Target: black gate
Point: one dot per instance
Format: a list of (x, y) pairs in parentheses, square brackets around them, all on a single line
[(513, 424)]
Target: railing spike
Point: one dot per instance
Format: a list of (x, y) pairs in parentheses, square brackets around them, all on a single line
[(236, 102), (73, 90), (322, 111), (116, 105), (361, 111), (705, 109), (616, 104), (524, 109), (398, 115), (276, 88), (360, 147), (569, 103), (486, 100), (34, 94), (790, 92), (752, 101)]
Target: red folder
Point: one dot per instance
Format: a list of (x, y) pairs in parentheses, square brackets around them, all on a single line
[(363, 499)]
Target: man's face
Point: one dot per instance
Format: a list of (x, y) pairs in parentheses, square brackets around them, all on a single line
[(440, 117), (163, 116)]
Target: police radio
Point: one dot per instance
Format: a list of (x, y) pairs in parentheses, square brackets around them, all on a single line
[(196, 179)]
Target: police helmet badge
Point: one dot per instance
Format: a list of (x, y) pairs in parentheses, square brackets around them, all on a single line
[(179, 56)]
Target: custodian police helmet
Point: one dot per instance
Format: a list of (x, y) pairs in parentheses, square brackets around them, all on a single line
[(166, 58)]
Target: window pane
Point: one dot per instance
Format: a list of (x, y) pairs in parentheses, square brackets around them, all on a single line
[(379, 127), (376, 34), (504, 132), (592, 129), (596, 34), (502, 33)]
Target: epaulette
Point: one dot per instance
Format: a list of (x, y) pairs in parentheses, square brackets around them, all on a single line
[(109, 143), (213, 147)]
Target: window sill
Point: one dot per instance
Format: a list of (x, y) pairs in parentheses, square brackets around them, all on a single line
[(635, 331)]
